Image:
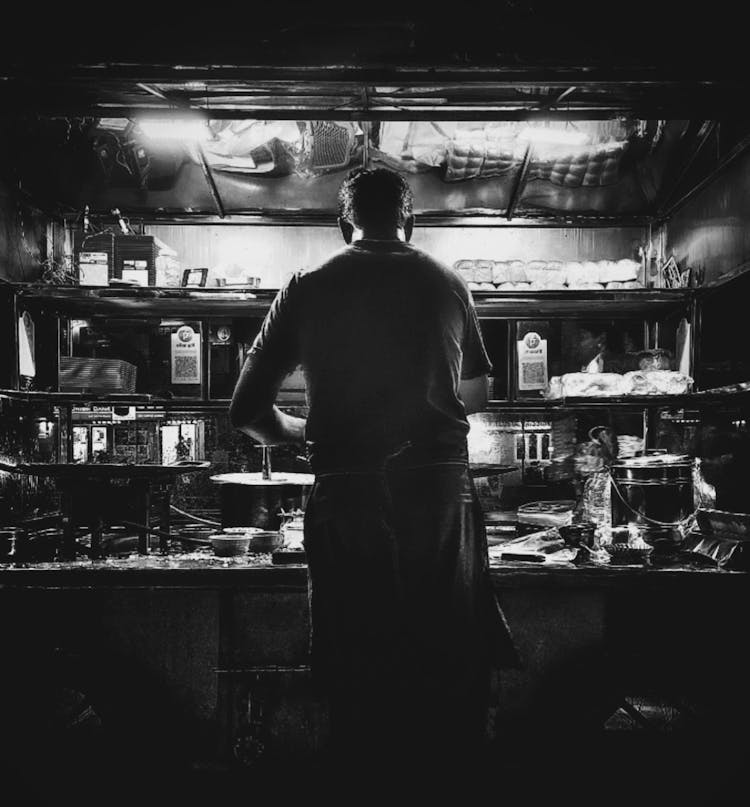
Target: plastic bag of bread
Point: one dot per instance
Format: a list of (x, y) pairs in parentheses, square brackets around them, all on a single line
[(632, 284), (465, 269), (656, 382), (554, 388), (500, 272), (624, 270), (553, 276), (588, 286), (517, 272), (483, 271), (605, 271), (575, 274), (486, 287), (536, 271), (592, 384)]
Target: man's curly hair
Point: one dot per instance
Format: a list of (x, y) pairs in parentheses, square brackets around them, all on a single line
[(377, 198)]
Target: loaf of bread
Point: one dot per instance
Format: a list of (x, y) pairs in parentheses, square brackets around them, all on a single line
[(517, 272), (587, 286), (500, 272), (575, 273), (554, 388), (483, 271), (656, 382), (592, 384), (535, 273), (625, 269), (465, 269), (591, 269)]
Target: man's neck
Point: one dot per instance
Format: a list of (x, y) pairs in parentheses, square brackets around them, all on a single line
[(379, 235)]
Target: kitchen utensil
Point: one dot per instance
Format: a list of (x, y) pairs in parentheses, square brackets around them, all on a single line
[(535, 516), (250, 499), (622, 554), (653, 490), (229, 545), (266, 541)]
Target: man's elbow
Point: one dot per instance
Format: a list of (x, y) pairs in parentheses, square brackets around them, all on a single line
[(239, 416), (474, 394)]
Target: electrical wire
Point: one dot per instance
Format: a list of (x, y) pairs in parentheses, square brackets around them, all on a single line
[(194, 518)]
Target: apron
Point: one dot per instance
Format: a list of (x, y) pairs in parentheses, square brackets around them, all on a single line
[(405, 623)]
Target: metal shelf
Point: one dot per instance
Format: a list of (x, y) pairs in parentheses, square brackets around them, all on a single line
[(603, 304), (143, 302), (178, 301), (694, 400)]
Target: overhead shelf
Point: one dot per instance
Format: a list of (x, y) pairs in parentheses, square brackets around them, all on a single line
[(149, 301), (220, 302), (129, 399), (591, 304), (694, 400)]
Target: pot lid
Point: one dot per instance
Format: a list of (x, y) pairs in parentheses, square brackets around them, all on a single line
[(277, 478)]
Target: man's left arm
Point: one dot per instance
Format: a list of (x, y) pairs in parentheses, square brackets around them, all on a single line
[(273, 355)]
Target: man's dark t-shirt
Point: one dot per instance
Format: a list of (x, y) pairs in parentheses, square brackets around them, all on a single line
[(383, 333)]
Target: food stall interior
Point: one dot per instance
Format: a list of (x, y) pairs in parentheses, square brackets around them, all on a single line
[(150, 215)]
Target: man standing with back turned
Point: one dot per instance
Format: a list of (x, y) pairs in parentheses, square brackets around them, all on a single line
[(405, 625)]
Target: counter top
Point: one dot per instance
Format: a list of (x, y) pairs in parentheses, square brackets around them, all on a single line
[(201, 569)]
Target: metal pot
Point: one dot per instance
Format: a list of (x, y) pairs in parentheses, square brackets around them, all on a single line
[(250, 500), (652, 490)]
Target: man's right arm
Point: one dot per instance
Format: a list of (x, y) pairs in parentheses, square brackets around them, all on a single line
[(474, 393)]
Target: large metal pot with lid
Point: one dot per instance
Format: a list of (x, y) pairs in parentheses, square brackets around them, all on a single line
[(653, 490)]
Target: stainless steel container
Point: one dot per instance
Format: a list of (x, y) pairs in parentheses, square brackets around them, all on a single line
[(652, 490)]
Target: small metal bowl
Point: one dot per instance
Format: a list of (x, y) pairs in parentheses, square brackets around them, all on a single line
[(227, 546), (267, 541)]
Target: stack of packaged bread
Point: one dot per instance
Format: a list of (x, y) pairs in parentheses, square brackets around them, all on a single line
[(603, 385), (487, 275)]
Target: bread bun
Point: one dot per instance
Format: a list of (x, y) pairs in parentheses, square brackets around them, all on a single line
[(465, 269), (575, 273), (624, 270), (517, 272), (500, 272)]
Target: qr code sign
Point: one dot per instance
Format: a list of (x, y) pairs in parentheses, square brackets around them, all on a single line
[(533, 373), (186, 367)]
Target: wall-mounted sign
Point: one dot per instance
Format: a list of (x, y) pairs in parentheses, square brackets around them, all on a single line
[(186, 356), (532, 362)]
